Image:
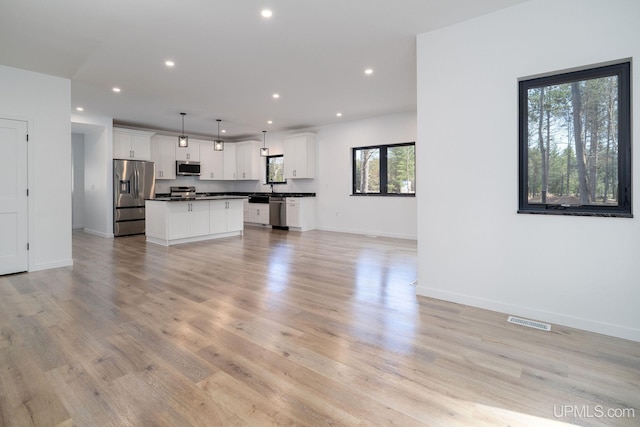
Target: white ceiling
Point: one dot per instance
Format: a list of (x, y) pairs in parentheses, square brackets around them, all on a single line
[(229, 60)]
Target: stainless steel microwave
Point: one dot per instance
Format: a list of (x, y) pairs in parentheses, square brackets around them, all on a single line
[(184, 167)]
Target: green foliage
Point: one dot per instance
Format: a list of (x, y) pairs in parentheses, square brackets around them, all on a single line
[(399, 161), (401, 169), (599, 135), (275, 170)]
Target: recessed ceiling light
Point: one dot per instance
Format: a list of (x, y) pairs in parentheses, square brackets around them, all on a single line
[(338, 114), (368, 71), (276, 95), (169, 63), (266, 13), (223, 131), (79, 109), (269, 122), (116, 89)]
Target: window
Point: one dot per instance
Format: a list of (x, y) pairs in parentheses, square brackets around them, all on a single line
[(575, 143), (388, 170), (275, 169)]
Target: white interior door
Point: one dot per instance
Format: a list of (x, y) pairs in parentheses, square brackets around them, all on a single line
[(13, 197)]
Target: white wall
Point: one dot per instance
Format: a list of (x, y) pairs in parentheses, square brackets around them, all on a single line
[(336, 209), (77, 167), (44, 102), (472, 246), (98, 173)]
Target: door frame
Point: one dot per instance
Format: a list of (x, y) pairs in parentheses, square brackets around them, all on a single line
[(29, 178)]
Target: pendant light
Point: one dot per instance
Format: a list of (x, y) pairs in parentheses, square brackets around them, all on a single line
[(218, 144), (183, 140), (264, 151)]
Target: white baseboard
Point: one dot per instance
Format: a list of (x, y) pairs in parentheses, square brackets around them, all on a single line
[(99, 233), (367, 233), (49, 265), (619, 331)]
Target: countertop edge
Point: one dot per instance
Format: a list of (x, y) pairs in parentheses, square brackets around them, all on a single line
[(197, 198)]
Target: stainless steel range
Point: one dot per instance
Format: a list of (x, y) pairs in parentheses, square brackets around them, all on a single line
[(186, 193)]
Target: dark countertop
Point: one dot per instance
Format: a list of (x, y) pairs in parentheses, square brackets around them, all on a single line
[(199, 196)]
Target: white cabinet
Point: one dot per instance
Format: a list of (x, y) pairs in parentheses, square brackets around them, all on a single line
[(188, 219), (173, 222), (211, 163), (248, 160), (301, 213), (131, 144), (163, 154), (225, 216), (229, 162), (256, 213), (262, 213), (190, 153), (299, 156), (293, 212)]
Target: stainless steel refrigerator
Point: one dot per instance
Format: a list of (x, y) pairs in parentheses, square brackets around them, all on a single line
[(133, 183)]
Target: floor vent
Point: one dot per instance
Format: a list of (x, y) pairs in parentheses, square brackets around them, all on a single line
[(529, 323)]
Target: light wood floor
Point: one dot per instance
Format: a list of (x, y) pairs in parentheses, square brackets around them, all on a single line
[(285, 328)]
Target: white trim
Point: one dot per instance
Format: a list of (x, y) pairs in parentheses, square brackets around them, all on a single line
[(164, 242), (99, 233), (49, 265), (589, 325), (367, 233)]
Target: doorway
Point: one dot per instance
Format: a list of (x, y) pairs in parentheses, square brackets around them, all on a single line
[(14, 232)]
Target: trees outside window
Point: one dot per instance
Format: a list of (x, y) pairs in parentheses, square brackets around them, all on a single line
[(575, 142), (275, 169), (384, 170), (367, 170)]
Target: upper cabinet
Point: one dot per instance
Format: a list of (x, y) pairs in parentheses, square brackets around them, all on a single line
[(163, 154), (190, 153), (299, 156), (131, 144), (229, 162), (248, 160), (212, 165)]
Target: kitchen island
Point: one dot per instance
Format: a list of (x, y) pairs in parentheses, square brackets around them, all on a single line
[(171, 221)]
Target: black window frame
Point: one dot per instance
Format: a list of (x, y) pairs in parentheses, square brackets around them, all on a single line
[(267, 181), (383, 170), (620, 69)]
